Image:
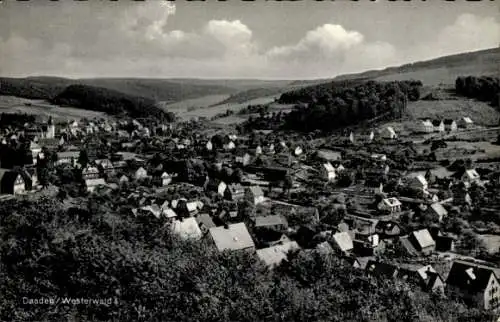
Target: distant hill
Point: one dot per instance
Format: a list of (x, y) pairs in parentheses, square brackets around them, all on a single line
[(440, 70), (109, 101), (156, 89)]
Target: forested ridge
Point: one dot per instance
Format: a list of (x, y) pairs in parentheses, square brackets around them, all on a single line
[(109, 101), (482, 88), (332, 105), (92, 250)]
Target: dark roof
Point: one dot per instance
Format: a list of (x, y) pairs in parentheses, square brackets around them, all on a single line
[(7, 180), (448, 121), (408, 246), (469, 276), (381, 269)]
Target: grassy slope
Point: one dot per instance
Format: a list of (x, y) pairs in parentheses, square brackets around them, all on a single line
[(440, 70)]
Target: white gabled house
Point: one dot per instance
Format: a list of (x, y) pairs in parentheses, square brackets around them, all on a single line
[(328, 172), (391, 205), (389, 133)]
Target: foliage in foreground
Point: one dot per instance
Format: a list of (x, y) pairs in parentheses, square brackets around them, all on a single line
[(92, 251)]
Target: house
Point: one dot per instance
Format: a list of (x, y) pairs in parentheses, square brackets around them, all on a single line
[(11, 182), (389, 133), (243, 158), (105, 165), (187, 228), (342, 241), (391, 205), (438, 125), (476, 284), (298, 151), (216, 185), (205, 222), (419, 182), (465, 122), (379, 157), (283, 159), (471, 176), (426, 126), (255, 194), (209, 146), (153, 209), (229, 146), (234, 192), (380, 269), (90, 172), (67, 157), (461, 197), (387, 228), (329, 155), (35, 150), (450, 125), (418, 243), (168, 213), (271, 222), (232, 237), (424, 276), (166, 179), (328, 172), (123, 179), (274, 255), (258, 150), (92, 184), (140, 174), (437, 209)]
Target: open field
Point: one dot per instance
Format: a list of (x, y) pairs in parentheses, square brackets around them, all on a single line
[(193, 103), (480, 112), (11, 104), (210, 112), (472, 150)]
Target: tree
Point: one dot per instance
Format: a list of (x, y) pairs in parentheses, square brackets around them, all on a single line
[(83, 158)]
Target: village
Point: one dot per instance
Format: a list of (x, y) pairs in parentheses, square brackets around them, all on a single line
[(381, 200)]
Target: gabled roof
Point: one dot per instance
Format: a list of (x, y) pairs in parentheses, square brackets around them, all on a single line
[(472, 174), (467, 120), (423, 238), (274, 255), (234, 237), (256, 191), (205, 220), (448, 121), (272, 220), (469, 276), (392, 202), (421, 179), (427, 123), (438, 209), (329, 167), (437, 122), (343, 241), (94, 182), (68, 154), (408, 246)]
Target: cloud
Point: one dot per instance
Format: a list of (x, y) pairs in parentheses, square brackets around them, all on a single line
[(331, 49), (138, 41), (467, 33)]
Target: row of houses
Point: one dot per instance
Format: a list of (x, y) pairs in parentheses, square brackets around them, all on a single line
[(446, 125)]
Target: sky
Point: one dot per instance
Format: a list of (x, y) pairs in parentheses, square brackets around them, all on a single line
[(235, 39)]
